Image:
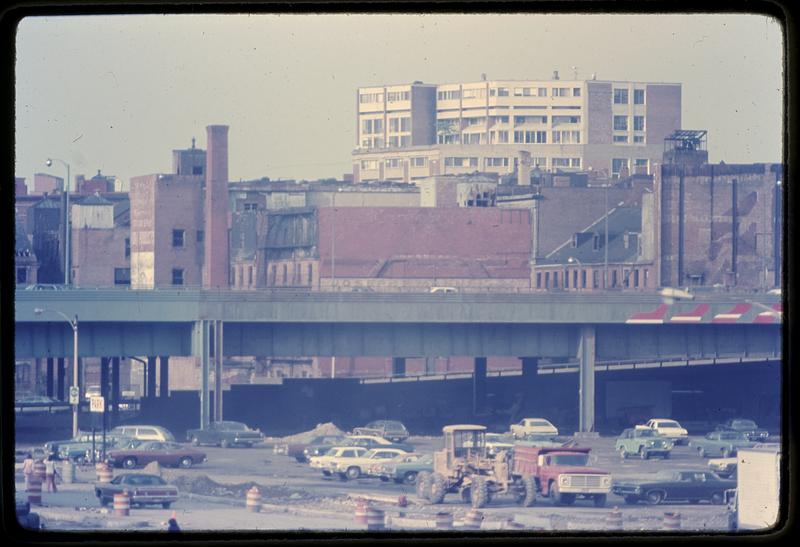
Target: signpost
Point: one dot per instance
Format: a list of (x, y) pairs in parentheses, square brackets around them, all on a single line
[(74, 395), (98, 404)]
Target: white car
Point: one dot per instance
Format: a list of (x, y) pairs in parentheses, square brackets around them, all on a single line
[(352, 468), (723, 467), (536, 426), (335, 453), (670, 429)]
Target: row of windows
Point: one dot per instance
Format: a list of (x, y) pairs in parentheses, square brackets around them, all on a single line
[(297, 278), (621, 123), (621, 96), (396, 96), (618, 164), (366, 98), (416, 161), (566, 162), (578, 279), (566, 137), (178, 239)]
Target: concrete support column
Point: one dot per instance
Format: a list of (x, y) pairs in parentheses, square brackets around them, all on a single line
[(217, 330), (398, 366), (37, 375), (430, 365), (479, 386), (150, 377), (60, 375), (50, 377), (201, 349), (115, 391), (163, 369), (530, 367), (104, 366), (586, 356)]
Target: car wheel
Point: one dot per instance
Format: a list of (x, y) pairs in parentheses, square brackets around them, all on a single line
[(410, 477), (326, 473), (717, 498), (643, 453), (702, 452), (631, 500), (166, 504), (195, 441), (437, 489), (353, 472), (129, 463), (300, 459), (423, 484), (224, 443), (186, 462), (654, 497)]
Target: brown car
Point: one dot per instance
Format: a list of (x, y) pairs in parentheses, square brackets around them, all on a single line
[(143, 490), (165, 453)]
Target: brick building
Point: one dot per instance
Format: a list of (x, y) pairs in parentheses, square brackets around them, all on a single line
[(100, 244)]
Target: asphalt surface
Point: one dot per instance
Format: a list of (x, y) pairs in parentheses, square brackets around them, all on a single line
[(298, 497)]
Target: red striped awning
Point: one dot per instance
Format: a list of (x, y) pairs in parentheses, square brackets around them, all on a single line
[(649, 317), (733, 315), (770, 317), (694, 316)]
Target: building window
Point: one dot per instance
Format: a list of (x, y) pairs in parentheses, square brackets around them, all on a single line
[(542, 92), (576, 91), (560, 91), (472, 138), (310, 270), (274, 275), (596, 242), (645, 273), (369, 164), (583, 279), (22, 275), (395, 96), (638, 139), (546, 280), (614, 278), (475, 93), (285, 275), (122, 276), (636, 278), (641, 166), (617, 165), (595, 283), (449, 95), (127, 247), (396, 125), (496, 162), (419, 161), (177, 276), (394, 163), (638, 96), (461, 162), (566, 280), (177, 238), (538, 280), (638, 123), (620, 96), (197, 170), (200, 236), (625, 276), (530, 137), (620, 123), (502, 92), (621, 139), (555, 280)]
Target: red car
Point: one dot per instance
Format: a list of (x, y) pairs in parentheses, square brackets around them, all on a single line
[(165, 453), (143, 490)]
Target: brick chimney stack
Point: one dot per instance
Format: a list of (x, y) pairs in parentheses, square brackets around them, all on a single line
[(215, 268)]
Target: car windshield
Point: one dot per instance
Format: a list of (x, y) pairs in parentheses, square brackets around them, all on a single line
[(232, 426), (370, 453), (569, 459), (750, 424), (668, 423), (646, 433), (495, 438), (665, 474), (539, 423)]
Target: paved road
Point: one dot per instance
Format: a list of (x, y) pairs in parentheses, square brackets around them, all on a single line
[(305, 499)]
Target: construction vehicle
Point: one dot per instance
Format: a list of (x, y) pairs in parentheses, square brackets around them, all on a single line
[(463, 467)]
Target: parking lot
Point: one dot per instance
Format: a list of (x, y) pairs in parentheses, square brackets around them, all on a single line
[(294, 496)]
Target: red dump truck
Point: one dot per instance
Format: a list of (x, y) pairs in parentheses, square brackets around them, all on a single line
[(562, 473)]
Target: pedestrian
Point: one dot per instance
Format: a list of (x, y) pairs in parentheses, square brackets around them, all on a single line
[(173, 525), (27, 469), (50, 473)]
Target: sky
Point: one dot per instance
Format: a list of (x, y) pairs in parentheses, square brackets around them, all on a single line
[(119, 93)]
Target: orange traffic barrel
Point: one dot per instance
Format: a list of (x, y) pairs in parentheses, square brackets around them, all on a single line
[(444, 521), (360, 514), (104, 473), (39, 469), (253, 500), (672, 521), (375, 519), (34, 490), (614, 519), (122, 504), (473, 519)]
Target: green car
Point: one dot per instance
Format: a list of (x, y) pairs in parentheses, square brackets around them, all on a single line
[(721, 444), (81, 451), (404, 469), (643, 443)]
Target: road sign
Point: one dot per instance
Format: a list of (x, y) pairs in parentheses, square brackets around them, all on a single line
[(97, 404), (74, 393)]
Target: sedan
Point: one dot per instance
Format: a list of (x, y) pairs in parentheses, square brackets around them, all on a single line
[(373, 441), (165, 453), (745, 426), (669, 486), (143, 489), (225, 434), (403, 469)]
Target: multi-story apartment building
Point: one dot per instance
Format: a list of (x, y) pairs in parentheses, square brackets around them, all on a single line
[(412, 131)]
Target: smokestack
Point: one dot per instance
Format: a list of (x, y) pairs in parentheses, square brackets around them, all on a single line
[(555, 75), (216, 263)]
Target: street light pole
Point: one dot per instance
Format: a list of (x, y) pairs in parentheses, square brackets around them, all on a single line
[(605, 246), (67, 222), (73, 323)]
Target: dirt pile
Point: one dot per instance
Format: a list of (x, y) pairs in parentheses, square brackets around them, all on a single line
[(205, 486), (328, 428)]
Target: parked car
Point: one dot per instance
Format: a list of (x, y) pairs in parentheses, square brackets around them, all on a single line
[(391, 430), (225, 434), (403, 469), (540, 440), (495, 442), (143, 432), (671, 485), (44, 287), (318, 446), (80, 451), (528, 426), (27, 518), (165, 453), (721, 443), (670, 429), (746, 426), (54, 447), (91, 391), (353, 468), (643, 442), (142, 488), (334, 454), (723, 467), (373, 441)]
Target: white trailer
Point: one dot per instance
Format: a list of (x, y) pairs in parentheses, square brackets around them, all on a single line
[(758, 486)]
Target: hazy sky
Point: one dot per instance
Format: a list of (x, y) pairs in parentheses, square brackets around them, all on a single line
[(119, 93)]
